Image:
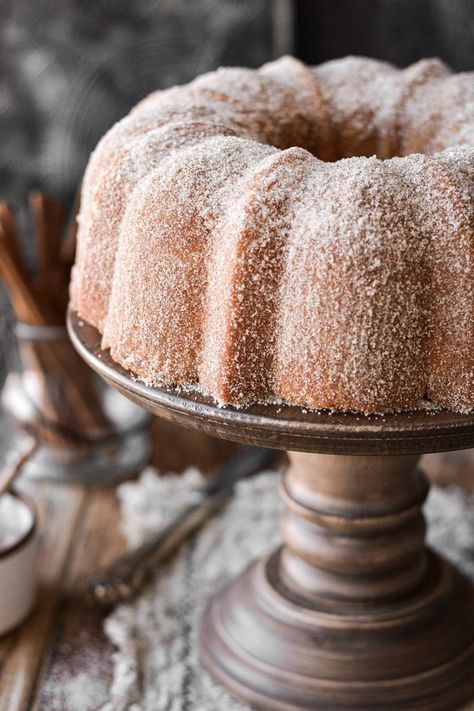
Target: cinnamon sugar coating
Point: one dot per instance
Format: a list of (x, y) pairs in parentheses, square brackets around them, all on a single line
[(293, 232)]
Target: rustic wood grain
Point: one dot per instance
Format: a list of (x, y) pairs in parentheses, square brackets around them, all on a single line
[(353, 612), (61, 650), (176, 448), (80, 649), (23, 652)]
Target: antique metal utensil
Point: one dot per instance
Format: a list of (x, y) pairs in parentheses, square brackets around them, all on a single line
[(126, 576)]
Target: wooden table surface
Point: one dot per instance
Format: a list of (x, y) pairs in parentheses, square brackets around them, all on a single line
[(64, 636), (62, 651)]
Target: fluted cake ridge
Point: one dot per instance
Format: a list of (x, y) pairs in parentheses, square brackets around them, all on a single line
[(295, 233)]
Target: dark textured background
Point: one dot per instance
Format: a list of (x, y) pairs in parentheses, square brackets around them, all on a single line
[(399, 31), (71, 68)]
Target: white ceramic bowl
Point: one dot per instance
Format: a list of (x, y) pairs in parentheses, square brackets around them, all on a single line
[(18, 569)]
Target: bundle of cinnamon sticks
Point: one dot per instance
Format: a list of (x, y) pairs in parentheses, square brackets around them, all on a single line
[(64, 390), (40, 298)]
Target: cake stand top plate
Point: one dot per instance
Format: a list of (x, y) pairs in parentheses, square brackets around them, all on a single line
[(282, 426)]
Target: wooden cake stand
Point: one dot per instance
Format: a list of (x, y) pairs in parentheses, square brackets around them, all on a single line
[(353, 612)]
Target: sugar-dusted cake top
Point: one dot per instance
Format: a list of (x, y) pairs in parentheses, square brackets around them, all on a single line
[(292, 232)]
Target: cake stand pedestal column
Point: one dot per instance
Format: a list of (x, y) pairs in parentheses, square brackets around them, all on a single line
[(353, 612)]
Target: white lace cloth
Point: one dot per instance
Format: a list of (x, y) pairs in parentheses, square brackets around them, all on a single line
[(156, 666)]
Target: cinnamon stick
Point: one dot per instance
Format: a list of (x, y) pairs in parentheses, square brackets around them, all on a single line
[(68, 393), (23, 301), (68, 247), (37, 202), (7, 225)]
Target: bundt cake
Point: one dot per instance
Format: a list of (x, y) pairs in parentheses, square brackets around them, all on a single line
[(290, 233)]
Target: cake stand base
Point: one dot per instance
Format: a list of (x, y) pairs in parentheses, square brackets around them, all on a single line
[(353, 612)]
